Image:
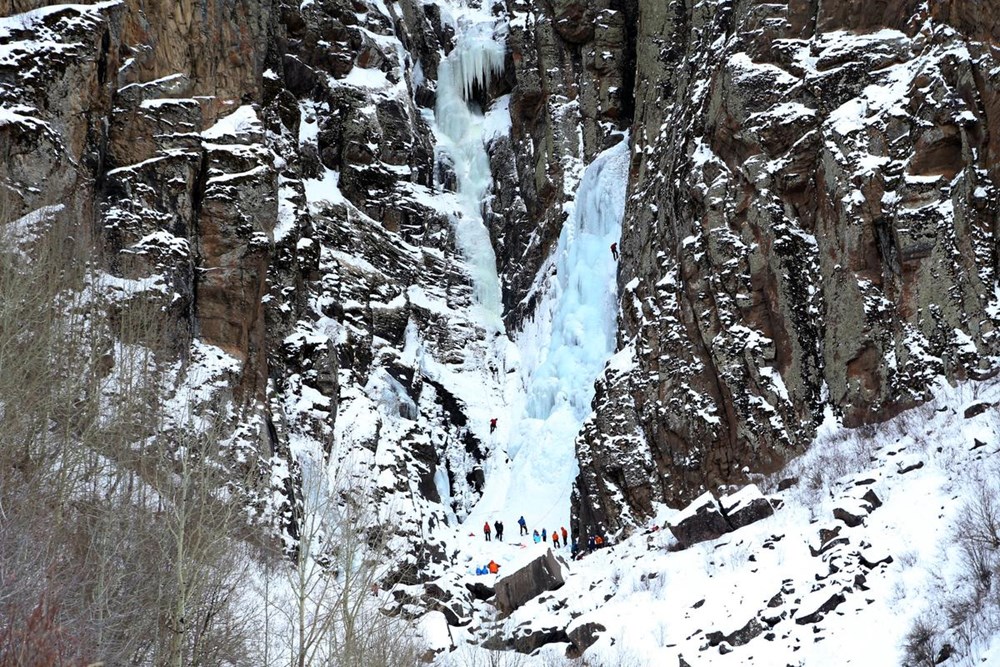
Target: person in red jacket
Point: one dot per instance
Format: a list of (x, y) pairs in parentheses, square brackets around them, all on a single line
[(555, 538), (493, 424), (486, 530), (614, 251), (565, 535)]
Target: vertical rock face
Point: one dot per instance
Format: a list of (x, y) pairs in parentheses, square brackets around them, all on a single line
[(812, 226), (572, 65), (261, 173)]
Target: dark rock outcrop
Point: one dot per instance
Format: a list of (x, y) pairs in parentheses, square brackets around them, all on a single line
[(545, 573), (702, 521), (582, 637), (707, 518)]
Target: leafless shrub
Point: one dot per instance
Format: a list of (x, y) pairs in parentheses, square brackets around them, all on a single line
[(36, 639), (970, 612), (922, 643)]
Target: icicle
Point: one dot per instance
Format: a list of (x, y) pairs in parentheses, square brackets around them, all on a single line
[(475, 61)]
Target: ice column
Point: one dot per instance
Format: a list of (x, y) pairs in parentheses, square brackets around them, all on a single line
[(476, 59), (564, 348)]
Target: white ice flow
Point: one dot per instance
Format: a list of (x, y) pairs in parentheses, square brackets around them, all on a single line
[(572, 334), (475, 60), (563, 349)]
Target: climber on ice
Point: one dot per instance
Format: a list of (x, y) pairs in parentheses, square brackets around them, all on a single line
[(493, 424), (614, 251)]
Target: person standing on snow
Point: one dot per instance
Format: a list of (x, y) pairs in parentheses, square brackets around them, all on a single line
[(498, 526), (486, 530), (555, 538), (536, 537), (524, 526), (544, 534), (565, 535)]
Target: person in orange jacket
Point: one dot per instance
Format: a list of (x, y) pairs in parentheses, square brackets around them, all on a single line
[(599, 541), (493, 567), (565, 535), (486, 530), (555, 538)]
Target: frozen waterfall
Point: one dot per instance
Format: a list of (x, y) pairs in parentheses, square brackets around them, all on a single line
[(476, 59), (563, 350)]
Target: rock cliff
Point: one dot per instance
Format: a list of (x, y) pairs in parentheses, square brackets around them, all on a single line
[(812, 228)]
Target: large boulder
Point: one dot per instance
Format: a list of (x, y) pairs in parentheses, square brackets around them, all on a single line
[(707, 518), (746, 506), (582, 637), (545, 573), (698, 522)]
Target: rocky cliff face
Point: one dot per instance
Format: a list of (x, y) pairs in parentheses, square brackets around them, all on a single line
[(811, 224), (262, 174), (812, 227), (572, 67)]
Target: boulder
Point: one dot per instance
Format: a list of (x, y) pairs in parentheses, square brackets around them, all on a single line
[(818, 605), (545, 573), (744, 635), (872, 499), (700, 521), (583, 637), (480, 591), (746, 506), (852, 517), (976, 409), (707, 518), (533, 639)]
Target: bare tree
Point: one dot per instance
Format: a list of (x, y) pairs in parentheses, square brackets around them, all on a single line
[(336, 579)]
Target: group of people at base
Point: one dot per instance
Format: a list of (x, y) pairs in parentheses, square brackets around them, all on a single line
[(543, 537), (560, 538)]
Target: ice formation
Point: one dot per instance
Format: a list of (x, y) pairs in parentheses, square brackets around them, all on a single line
[(475, 60)]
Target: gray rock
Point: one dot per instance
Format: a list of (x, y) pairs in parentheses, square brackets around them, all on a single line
[(701, 521), (480, 591), (545, 573)]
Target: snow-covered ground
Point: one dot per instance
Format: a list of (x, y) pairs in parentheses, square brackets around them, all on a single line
[(871, 582)]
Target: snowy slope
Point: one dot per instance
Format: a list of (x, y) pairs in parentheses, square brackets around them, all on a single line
[(760, 587)]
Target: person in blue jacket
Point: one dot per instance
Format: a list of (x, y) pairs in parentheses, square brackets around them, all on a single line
[(536, 537)]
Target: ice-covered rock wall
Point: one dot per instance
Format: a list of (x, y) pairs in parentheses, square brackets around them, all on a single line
[(810, 217)]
